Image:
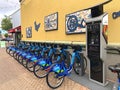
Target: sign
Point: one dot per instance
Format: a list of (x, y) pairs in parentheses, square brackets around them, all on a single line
[(37, 26), (2, 44), (105, 20), (29, 32), (116, 14), (51, 22), (76, 21)]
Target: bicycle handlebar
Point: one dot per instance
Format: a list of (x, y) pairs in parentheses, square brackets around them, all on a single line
[(113, 49)]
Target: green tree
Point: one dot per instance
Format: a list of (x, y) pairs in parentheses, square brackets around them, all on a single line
[(6, 23), (6, 35)]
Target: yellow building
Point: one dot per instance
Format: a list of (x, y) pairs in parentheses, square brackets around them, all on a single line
[(37, 10)]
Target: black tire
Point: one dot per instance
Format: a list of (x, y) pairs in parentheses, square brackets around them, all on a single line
[(54, 79), (11, 53), (77, 65), (54, 58), (20, 59), (30, 66), (68, 60), (39, 71), (24, 62), (7, 50), (15, 55)]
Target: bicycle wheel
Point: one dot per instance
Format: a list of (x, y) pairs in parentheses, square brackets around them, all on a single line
[(20, 59), (11, 53), (54, 58), (53, 81), (24, 62), (30, 65), (39, 71), (67, 60), (7, 50), (77, 65), (15, 55)]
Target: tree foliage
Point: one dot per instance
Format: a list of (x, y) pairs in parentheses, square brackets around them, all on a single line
[(6, 35), (6, 23)]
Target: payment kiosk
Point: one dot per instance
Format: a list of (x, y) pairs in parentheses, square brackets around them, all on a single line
[(96, 44)]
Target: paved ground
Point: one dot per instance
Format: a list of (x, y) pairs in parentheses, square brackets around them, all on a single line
[(14, 76)]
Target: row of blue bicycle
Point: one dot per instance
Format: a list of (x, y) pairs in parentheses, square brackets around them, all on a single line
[(50, 60)]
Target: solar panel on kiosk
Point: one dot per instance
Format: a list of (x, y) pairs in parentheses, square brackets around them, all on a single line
[(97, 11)]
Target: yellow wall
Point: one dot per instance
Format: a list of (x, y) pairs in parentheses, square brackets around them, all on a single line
[(36, 10), (114, 24)]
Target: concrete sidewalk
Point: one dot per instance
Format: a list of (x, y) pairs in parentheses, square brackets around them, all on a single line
[(14, 76)]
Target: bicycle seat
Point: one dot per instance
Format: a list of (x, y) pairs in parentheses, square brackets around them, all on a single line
[(113, 49), (114, 68)]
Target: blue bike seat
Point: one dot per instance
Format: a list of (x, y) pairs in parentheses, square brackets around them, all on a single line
[(34, 59), (18, 51), (28, 56), (45, 62), (42, 62), (24, 54), (60, 69)]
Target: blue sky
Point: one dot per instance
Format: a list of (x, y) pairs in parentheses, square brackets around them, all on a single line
[(7, 7)]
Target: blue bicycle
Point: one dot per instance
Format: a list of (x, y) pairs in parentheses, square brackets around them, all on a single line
[(25, 50), (27, 55), (11, 49), (80, 61), (58, 71), (40, 53), (116, 69), (21, 49), (43, 65)]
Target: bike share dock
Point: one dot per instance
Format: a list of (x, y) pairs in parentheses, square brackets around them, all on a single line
[(50, 24), (15, 77)]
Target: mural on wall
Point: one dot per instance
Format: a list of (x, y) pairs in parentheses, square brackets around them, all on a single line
[(37, 26), (75, 22), (104, 32), (29, 32), (116, 14), (51, 22), (105, 28)]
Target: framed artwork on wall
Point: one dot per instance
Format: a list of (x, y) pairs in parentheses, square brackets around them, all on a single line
[(76, 22), (29, 32), (51, 22)]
